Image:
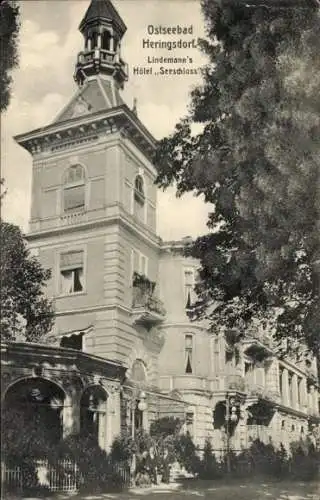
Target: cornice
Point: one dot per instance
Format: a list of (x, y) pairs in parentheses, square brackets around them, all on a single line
[(90, 309), (119, 218), (87, 129)]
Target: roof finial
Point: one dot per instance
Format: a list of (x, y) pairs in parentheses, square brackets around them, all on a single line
[(134, 109)]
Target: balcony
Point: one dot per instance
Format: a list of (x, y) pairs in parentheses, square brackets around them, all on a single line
[(257, 392), (103, 58), (147, 308), (258, 346)]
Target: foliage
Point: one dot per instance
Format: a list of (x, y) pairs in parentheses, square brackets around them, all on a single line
[(9, 28), (164, 427), (186, 453), (209, 467), (22, 439), (305, 460), (257, 161), (25, 311)]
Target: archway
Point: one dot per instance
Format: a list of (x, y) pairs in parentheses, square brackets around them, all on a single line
[(32, 409), (93, 407)]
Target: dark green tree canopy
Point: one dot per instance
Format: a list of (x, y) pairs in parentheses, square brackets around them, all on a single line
[(9, 29), (26, 313), (257, 160)]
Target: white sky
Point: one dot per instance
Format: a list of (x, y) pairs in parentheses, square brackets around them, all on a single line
[(43, 84)]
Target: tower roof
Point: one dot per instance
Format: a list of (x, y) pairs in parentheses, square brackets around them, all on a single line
[(102, 10)]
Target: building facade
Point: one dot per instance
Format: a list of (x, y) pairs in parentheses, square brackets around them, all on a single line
[(122, 294)]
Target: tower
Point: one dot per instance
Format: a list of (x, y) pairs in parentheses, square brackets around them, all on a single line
[(102, 29), (93, 213)]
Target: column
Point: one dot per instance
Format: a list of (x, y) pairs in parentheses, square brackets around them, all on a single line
[(111, 48), (99, 40), (70, 416), (295, 389), (303, 394), (316, 401), (285, 387)]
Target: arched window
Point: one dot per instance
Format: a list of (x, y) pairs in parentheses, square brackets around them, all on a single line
[(138, 371), (74, 189), (139, 197)]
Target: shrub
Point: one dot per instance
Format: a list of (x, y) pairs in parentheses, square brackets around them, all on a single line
[(186, 453), (96, 469), (305, 461), (209, 467)]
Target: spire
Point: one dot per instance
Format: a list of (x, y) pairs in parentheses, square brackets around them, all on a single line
[(102, 29)]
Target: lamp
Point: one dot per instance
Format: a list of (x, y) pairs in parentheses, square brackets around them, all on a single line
[(142, 405)]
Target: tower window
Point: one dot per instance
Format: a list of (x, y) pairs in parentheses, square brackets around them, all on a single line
[(106, 37), (74, 189), (139, 195), (188, 353), (71, 272), (139, 198)]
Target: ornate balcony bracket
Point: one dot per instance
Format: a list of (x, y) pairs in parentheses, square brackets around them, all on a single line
[(257, 349)]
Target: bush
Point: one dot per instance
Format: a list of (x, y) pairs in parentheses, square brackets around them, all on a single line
[(96, 468), (305, 461), (209, 467), (186, 453)]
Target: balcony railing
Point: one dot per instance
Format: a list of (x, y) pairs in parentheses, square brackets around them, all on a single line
[(255, 391), (147, 308), (105, 57)]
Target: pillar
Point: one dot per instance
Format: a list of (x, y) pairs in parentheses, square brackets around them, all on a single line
[(285, 387), (99, 40), (111, 48), (303, 394), (70, 416), (295, 389), (315, 401)]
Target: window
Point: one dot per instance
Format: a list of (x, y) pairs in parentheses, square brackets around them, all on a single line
[(139, 263), (139, 198), (139, 190), (138, 371), (74, 341), (71, 272), (189, 423), (74, 189), (189, 282), (188, 353), (106, 37), (283, 424)]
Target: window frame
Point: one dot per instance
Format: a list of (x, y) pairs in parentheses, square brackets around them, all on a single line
[(71, 185), (142, 196), (141, 256), (188, 351), (59, 291)]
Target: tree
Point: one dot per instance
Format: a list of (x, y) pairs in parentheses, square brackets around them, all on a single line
[(25, 312), (257, 160), (9, 29)]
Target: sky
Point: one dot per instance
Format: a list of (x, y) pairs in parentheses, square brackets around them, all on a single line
[(43, 84)]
